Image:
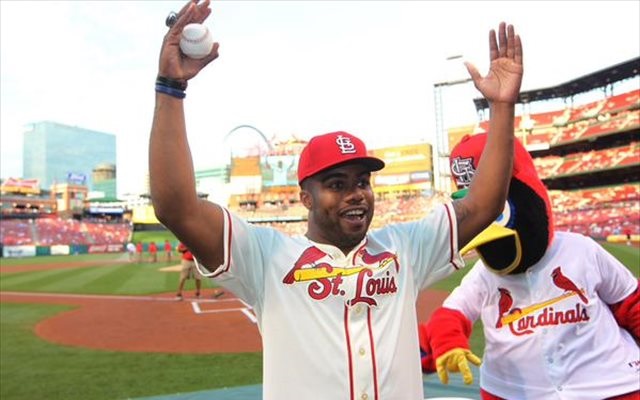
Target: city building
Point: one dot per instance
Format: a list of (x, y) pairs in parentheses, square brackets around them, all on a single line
[(58, 153), (104, 181)]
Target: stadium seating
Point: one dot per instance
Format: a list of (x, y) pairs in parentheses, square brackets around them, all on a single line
[(55, 231), (597, 212), (16, 232), (622, 102)]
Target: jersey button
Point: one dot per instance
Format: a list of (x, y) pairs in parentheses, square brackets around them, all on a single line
[(364, 396), (559, 388), (362, 351)]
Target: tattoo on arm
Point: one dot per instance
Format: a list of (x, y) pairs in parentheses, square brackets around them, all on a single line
[(461, 210)]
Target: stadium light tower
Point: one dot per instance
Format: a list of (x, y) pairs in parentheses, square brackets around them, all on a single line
[(442, 175)]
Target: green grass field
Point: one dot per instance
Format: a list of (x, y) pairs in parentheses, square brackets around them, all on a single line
[(154, 236), (31, 368), (126, 278), (34, 369)]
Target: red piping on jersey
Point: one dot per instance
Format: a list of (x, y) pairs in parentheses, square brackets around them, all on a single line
[(228, 249), (373, 355), (230, 238), (346, 334), (451, 247)]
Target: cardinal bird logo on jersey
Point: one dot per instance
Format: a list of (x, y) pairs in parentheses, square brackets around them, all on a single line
[(504, 305), (567, 284), (309, 256), (374, 258), (371, 275)]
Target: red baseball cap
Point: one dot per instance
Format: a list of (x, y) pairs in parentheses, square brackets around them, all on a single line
[(328, 150)]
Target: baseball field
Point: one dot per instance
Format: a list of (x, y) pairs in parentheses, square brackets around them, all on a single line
[(102, 327)]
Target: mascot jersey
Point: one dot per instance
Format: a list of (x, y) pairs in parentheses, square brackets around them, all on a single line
[(561, 315), (549, 332)]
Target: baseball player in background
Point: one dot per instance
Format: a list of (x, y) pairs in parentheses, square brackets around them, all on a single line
[(336, 306), (561, 316), (188, 270)]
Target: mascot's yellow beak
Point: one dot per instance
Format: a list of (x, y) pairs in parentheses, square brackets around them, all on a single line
[(494, 232), (490, 234)]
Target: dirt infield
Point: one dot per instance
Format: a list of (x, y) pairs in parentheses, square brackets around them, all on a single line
[(159, 323), (155, 323)]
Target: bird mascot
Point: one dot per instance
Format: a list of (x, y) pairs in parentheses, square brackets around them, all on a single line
[(560, 315)]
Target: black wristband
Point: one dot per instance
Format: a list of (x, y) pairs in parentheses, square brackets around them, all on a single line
[(172, 83)]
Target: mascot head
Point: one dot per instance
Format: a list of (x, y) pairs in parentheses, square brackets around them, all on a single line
[(521, 234)]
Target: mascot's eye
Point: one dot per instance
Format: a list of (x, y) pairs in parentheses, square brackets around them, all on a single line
[(508, 216)]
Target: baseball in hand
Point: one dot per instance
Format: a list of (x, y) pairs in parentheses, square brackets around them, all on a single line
[(196, 41)]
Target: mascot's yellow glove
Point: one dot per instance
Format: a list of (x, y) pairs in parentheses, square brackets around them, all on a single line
[(455, 360)]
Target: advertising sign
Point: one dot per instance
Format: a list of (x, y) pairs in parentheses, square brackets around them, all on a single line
[(405, 159), (18, 185), (76, 178), (18, 251)]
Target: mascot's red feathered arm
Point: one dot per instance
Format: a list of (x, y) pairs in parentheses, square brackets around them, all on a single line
[(444, 345), (627, 313)]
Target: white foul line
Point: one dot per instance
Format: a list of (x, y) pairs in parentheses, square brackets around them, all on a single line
[(249, 315), (245, 310)]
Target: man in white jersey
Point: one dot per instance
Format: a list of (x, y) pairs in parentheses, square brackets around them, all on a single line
[(561, 316), (335, 307)]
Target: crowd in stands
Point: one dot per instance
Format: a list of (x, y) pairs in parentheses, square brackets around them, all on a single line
[(54, 231), (596, 212), (600, 222), (16, 232), (253, 211)]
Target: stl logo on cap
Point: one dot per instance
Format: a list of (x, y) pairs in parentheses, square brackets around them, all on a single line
[(345, 144), (331, 149), (463, 171)]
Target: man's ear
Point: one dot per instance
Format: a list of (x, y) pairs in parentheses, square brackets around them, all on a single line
[(306, 198)]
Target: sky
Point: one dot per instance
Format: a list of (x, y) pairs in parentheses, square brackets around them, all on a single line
[(286, 67)]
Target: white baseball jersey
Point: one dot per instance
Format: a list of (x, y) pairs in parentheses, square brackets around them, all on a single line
[(336, 326), (549, 333)]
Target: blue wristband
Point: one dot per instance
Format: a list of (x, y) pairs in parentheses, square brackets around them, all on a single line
[(178, 94)]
